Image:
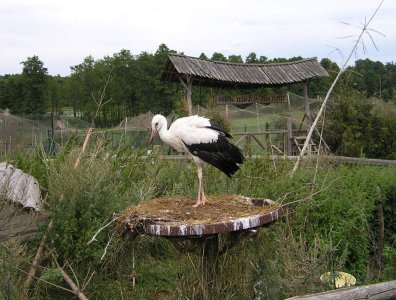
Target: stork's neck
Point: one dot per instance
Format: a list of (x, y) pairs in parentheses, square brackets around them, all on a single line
[(163, 131)]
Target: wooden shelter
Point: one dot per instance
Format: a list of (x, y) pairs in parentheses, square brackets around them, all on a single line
[(238, 75), (190, 70)]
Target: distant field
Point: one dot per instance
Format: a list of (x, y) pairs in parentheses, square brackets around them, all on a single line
[(254, 124)]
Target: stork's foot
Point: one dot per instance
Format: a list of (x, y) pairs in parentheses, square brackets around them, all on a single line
[(200, 201), (203, 200)]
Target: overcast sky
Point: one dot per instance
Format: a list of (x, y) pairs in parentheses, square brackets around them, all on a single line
[(62, 33)]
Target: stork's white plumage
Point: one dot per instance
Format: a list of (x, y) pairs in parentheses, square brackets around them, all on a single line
[(204, 141)]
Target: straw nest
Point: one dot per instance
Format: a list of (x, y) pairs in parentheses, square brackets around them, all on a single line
[(178, 211)]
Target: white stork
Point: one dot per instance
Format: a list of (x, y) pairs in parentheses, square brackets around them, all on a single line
[(204, 141)]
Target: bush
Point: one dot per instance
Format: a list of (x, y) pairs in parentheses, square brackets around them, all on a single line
[(12, 259), (352, 129)]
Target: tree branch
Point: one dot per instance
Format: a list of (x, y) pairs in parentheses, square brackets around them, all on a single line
[(342, 69)]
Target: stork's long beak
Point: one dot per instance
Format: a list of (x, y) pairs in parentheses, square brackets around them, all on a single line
[(153, 134)]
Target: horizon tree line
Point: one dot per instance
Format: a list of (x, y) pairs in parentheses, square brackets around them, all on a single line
[(134, 85)]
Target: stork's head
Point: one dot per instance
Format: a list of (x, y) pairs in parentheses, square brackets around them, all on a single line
[(157, 123)]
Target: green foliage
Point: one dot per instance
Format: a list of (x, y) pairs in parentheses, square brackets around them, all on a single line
[(135, 85), (12, 258), (218, 57), (33, 164), (330, 223), (34, 82), (353, 130)]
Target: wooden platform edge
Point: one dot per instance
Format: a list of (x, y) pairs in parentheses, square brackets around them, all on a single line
[(377, 291)]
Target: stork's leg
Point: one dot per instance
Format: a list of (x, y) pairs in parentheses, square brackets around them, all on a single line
[(201, 195)]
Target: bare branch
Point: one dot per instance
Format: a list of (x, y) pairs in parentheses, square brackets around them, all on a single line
[(342, 69), (350, 24), (348, 36), (37, 258), (336, 49), (311, 195), (76, 290), (376, 31), (107, 245), (100, 229), (74, 274), (88, 281), (45, 281), (372, 40), (99, 104)]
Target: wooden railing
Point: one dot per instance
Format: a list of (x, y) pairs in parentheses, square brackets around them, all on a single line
[(378, 291)]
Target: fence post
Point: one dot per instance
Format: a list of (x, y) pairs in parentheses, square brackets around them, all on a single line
[(51, 146)]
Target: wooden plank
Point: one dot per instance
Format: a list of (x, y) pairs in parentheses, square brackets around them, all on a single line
[(19, 223), (241, 138), (26, 219), (378, 291), (260, 133)]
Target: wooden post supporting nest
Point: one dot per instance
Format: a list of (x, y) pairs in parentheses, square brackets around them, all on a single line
[(210, 253)]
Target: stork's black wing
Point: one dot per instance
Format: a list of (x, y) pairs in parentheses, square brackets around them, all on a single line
[(220, 153)]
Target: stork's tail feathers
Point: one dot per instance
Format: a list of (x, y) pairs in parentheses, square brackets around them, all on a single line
[(228, 162)]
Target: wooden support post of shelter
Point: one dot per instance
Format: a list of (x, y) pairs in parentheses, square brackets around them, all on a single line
[(289, 127), (307, 112), (307, 109), (187, 84)]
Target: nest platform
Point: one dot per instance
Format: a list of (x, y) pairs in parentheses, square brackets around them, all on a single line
[(176, 217)]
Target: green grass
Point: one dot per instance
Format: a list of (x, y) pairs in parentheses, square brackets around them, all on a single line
[(334, 228)]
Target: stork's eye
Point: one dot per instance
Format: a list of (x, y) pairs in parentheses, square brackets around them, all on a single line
[(156, 124)]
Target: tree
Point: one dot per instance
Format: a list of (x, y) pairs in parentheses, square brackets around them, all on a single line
[(203, 56), (11, 94), (218, 57), (353, 130), (263, 59), (251, 58), (34, 82), (369, 77), (121, 88), (320, 85), (53, 95), (235, 58), (90, 81)]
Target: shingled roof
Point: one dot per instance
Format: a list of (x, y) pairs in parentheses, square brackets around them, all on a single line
[(216, 73)]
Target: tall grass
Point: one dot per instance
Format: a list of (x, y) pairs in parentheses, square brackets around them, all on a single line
[(331, 224)]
